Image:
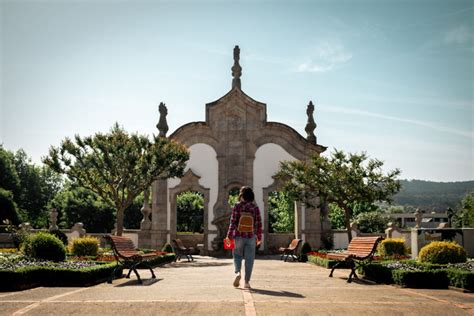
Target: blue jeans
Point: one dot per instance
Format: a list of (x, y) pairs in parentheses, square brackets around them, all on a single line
[(244, 248)]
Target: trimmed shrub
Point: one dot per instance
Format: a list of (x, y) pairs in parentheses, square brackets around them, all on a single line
[(461, 279), (324, 262), (157, 261), (442, 252), (30, 276), (44, 246), (392, 247), (167, 248), (305, 249), (85, 246), (62, 236), (377, 272), (429, 279)]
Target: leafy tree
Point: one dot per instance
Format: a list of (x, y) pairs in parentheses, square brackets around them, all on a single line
[(118, 166), (281, 213), (372, 222), (133, 215), (233, 197), (34, 193), (464, 216), (340, 179), (190, 212), (8, 176), (336, 216), (32, 186), (8, 209), (77, 204)]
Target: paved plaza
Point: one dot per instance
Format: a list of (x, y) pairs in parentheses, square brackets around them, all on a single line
[(204, 287)]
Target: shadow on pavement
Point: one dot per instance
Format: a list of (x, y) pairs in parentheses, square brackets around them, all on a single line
[(277, 293), (196, 264), (359, 281), (146, 282)]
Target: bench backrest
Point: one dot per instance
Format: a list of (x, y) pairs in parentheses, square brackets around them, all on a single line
[(179, 244), (294, 244), (363, 246), (123, 246)]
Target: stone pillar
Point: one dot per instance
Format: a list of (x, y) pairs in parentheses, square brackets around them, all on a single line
[(311, 224), (159, 218), (415, 242)]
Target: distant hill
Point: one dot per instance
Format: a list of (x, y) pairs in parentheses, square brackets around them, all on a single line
[(432, 196)]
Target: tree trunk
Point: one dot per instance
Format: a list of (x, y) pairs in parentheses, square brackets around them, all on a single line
[(120, 212), (347, 215)]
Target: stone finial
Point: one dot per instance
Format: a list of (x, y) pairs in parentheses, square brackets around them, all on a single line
[(236, 69), (53, 218), (162, 124), (310, 125)]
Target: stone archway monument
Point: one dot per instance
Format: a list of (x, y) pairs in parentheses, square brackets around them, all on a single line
[(234, 146)]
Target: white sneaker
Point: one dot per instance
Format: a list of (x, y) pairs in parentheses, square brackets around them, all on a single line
[(247, 285), (237, 280)]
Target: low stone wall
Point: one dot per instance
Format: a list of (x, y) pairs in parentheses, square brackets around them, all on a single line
[(277, 240), (423, 236), (6, 241), (191, 240)]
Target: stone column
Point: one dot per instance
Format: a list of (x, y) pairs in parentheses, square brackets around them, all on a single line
[(312, 223), (159, 217)]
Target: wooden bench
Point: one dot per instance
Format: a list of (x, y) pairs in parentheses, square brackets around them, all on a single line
[(126, 254), (181, 250), (290, 250), (359, 251)]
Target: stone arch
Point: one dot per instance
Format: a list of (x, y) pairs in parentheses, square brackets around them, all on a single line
[(189, 182), (195, 133), (287, 138), (266, 164)]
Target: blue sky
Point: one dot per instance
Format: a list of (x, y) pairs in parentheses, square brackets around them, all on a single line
[(392, 78)]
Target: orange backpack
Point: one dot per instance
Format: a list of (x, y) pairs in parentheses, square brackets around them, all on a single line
[(245, 223)]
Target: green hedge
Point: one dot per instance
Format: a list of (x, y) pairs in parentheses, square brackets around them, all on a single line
[(376, 272), (326, 263), (461, 279), (163, 259), (29, 277), (420, 276), (429, 279)]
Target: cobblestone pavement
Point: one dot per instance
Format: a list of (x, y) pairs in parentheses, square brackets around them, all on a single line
[(204, 287)]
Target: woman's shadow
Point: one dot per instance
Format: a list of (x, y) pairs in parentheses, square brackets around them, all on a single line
[(276, 293)]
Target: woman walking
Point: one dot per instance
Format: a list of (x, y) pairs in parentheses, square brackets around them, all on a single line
[(246, 229)]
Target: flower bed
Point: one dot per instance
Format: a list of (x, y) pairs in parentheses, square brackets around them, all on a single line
[(417, 275), (320, 258), (20, 273), (162, 258)]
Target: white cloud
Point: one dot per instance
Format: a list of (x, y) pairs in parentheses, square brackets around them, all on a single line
[(327, 56), (458, 35), (437, 127)]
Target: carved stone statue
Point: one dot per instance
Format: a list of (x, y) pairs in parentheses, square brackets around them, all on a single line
[(418, 218), (162, 124), (146, 210), (53, 218), (311, 124)]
